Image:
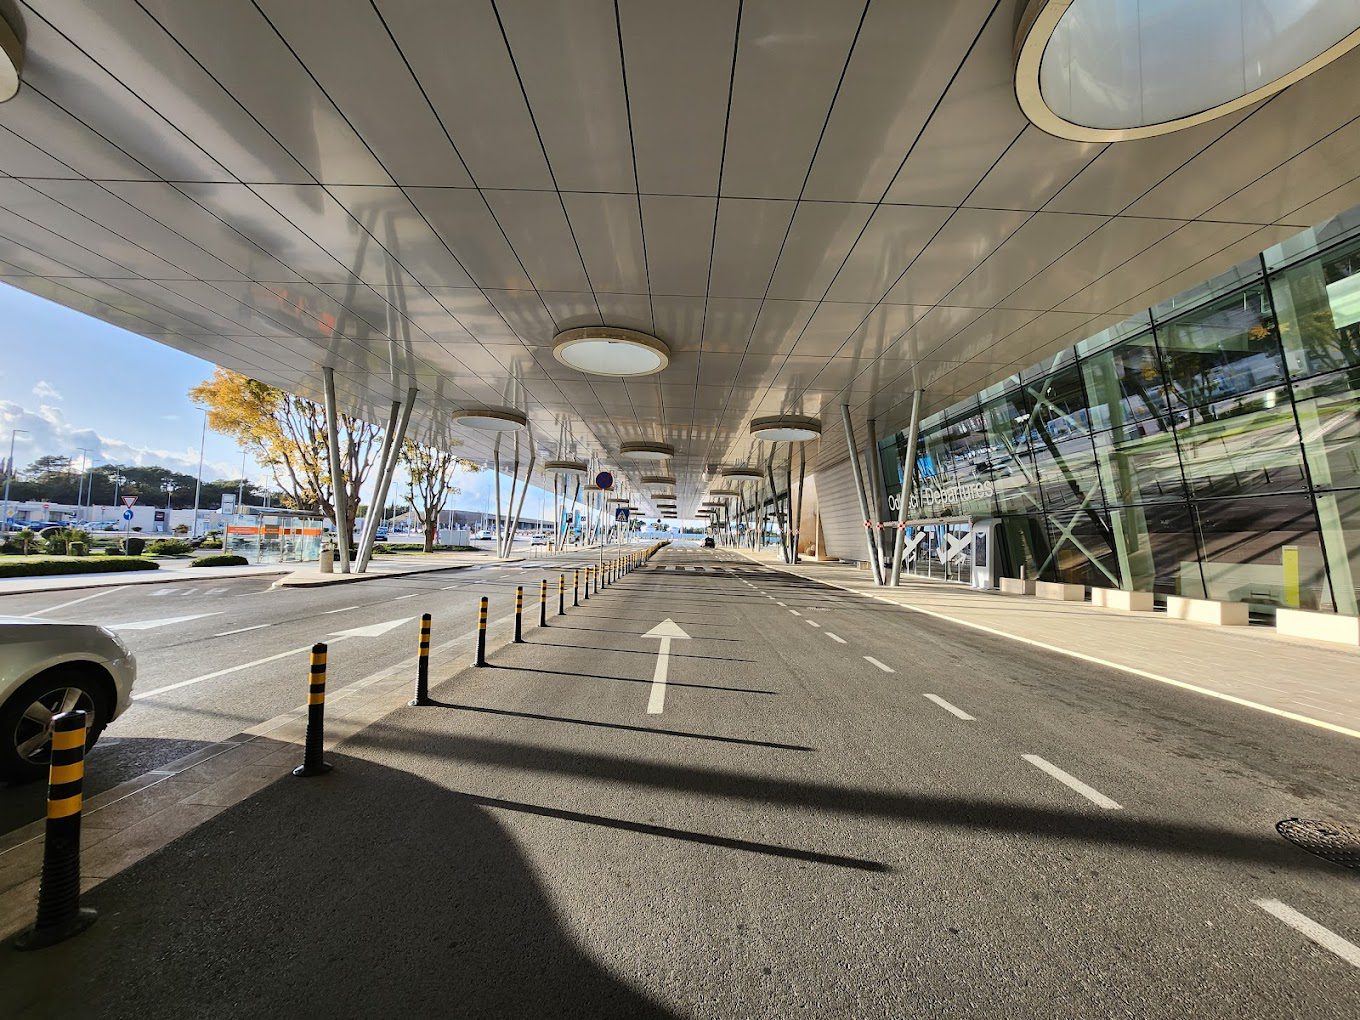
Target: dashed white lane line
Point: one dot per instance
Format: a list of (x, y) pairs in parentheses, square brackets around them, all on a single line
[(812, 623), (345, 609), (1093, 795), (835, 637), (874, 662), (795, 612), (75, 602), (411, 596), (778, 603), (956, 711), (1306, 926), (242, 630)]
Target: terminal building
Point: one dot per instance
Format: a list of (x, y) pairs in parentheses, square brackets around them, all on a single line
[(1101, 254)]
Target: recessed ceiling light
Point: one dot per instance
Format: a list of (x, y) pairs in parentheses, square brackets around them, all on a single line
[(491, 419), (786, 428), (11, 61), (646, 450), (605, 350), (742, 471), (566, 467)]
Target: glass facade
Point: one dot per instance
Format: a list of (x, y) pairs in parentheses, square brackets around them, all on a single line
[(1209, 447)]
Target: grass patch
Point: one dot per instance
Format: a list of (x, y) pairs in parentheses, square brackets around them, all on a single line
[(40, 566)]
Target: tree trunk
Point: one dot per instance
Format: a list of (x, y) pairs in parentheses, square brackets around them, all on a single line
[(431, 529)]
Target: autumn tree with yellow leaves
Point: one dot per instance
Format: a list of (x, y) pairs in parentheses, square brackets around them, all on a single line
[(431, 472), (287, 434)]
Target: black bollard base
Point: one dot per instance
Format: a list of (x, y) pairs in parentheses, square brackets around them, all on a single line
[(420, 702), (36, 938), (304, 771)]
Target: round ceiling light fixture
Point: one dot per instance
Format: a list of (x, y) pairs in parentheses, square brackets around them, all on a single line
[(646, 450), (621, 501), (491, 419), (11, 61), (786, 428), (566, 467), (658, 479), (605, 350), (724, 493), (742, 472), (1115, 70)]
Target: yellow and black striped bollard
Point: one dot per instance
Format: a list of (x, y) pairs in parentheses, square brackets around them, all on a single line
[(423, 665), (588, 571), (60, 914), (575, 587), (480, 660), (314, 745), (519, 614), (561, 594), (543, 602)]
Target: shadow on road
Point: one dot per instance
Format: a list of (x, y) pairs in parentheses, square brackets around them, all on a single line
[(370, 892)]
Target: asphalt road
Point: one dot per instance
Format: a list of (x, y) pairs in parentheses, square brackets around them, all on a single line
[(834, 809), (217, 657)]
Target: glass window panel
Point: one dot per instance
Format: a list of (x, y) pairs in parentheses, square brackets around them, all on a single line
[(1329, 417), (1067, 472), (1340, 516), (1139, 469), (1241, 446), (1009, 465), (1083, 549), (1318, 303), (1125, 388), (1059, 403), (1157, 550), (1264, 550), (1223, 349)]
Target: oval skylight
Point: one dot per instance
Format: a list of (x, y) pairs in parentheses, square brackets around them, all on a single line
[(1112, 70)]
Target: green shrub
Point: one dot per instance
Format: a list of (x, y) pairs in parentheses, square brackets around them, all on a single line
[(169, 547), (77, 548), (400, 547), (136, 546), (220, 560), (37, 568), (9, 548), (210, 543)]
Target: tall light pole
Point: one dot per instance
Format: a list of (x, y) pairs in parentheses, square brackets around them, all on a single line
[(198, 485), (4, 521)]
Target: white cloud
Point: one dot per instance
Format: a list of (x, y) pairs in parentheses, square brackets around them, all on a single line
[(46, 431), (44, 390)]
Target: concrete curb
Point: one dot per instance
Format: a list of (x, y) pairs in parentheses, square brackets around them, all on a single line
[(121, 579), (326, 580)]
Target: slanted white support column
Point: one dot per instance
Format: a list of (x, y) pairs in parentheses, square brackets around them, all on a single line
[(337, 476), (523, 491), (391, 456), (908, 480), (857, 469)]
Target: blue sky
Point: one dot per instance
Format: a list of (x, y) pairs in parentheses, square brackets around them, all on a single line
[(75, 381)]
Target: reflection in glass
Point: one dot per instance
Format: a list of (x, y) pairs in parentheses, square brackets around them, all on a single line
[(1264, 550), (1329, 417), (1224, 349), (1243, 445), (1318, 303)]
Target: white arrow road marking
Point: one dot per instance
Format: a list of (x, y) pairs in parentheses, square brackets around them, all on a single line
[(163, 591), (373, 630), (163, 622), (665, 630), (1306, 926)]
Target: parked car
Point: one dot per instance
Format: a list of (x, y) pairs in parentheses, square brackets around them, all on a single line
[(482, 536), (47, 668), (539, 539)]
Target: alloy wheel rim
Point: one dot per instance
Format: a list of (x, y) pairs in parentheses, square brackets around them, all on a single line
[(33, 735)]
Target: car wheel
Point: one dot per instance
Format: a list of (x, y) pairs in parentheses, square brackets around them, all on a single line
[(26, 719)]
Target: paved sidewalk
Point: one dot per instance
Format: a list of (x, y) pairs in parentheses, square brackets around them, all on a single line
[(1299, 680)]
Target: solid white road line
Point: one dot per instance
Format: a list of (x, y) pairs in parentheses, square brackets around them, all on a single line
[(163, 622), (221, 672), (953, 710), (346, 609), (242, 630), (835, 637), (1306, 926), (1093, 795), (75, 602), (874, 662)]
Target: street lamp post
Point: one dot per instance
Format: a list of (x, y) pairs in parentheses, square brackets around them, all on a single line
[(4, 521)]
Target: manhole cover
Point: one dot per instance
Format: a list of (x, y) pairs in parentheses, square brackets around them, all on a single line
[(1332, 841)]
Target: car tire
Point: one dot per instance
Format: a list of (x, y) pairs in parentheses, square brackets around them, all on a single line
[(46, 688)]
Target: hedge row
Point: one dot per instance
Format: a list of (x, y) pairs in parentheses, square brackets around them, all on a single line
[(419, 547), (37, 568), (220, 560)]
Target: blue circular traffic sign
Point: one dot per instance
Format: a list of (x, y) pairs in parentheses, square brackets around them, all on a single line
[(127, 514), (604, 480)]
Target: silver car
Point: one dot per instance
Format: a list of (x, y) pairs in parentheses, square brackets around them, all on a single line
[(47, 668)]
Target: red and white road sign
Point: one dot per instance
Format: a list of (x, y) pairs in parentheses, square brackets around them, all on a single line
[(129, 500)]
